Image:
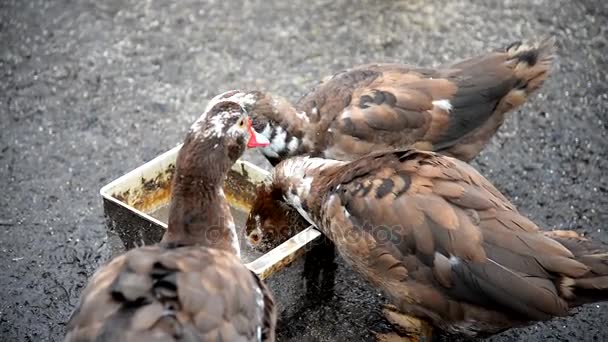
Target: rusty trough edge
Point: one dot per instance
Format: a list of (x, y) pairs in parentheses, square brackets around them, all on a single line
[(284, 254)]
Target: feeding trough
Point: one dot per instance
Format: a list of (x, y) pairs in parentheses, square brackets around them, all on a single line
[(136, 209)]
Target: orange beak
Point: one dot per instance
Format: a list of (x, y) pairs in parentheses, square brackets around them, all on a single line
[(255, 139)]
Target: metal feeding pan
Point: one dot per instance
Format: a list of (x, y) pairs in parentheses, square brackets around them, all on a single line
[(136, 210)]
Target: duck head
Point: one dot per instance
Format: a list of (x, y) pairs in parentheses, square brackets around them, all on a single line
[(271, 220), (263, 107), (225, 129), (281, 208), (275, 118)]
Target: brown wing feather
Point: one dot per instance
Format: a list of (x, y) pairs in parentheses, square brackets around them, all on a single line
[(438, 208), (185, 293), (396, 109), (391, 106)]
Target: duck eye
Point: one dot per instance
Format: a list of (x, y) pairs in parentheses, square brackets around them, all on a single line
[(241, 123)]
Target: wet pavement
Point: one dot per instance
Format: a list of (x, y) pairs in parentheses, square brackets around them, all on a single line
[(92, 89)]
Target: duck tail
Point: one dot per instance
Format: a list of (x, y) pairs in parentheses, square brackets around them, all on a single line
[(593, 285), (532, 62)]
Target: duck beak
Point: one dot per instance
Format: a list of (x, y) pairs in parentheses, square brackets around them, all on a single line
[(256, 139)]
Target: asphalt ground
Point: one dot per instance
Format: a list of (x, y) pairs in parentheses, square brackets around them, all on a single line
[(92, 89)]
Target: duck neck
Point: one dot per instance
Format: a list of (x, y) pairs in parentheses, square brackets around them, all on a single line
[(199, 213), (285, 129), (296, 177)]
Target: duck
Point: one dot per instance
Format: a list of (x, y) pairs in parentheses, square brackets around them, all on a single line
[(271, 221), (453, 109), (192, 286), (438, 239)]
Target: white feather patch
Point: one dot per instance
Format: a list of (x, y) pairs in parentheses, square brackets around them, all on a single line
[(278, 142), (566, 287), (346, 213), (216, 126), (300, 171), (295, 202), (238, 96), (234, 239), (293, 145), (297, 167), (443, 104), (346, 114), (268, 151), (259, 300), (244, 99), (454, 260), (267, 131)]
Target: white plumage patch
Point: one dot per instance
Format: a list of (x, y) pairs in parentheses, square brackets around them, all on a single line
[(297, 167), (244, 99), (295, 202), (258, 222), (443, 104), (293, 145), (454, 260), (267, 131), (346, 114), (346, 213), (278, 142), (240, 97), (214, 128), (268, 150), (300, 172), (234, 239), (566, 287), (259, 300)]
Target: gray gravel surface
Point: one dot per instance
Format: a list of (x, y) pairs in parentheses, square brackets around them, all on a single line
[(92, 89)]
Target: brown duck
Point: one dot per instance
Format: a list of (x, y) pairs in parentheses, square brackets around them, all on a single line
[(454, 109), (441, 241), (192, 286), (271, 221)]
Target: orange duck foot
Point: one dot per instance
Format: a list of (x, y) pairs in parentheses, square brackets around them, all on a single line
[(406, 328)]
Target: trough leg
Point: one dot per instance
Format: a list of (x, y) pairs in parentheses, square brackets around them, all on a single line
[(320, 270)]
